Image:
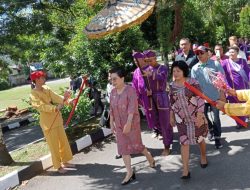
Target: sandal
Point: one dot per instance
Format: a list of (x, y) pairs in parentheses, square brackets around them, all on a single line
[(68, 165), (61, 170)]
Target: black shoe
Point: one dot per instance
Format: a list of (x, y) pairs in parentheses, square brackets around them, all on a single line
[(188, 176), (118, 156), (218, 146), (204, 165), (130, 179)]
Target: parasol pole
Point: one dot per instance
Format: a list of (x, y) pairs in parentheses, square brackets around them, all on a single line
[(84, 83), (145, 78), (213, 103), (64, 100), (73, 110), (146, 82)]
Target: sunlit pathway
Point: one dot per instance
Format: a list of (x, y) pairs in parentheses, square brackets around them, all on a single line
[(97, 168)]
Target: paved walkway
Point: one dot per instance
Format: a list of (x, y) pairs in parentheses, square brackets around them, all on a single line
[(228, 168)]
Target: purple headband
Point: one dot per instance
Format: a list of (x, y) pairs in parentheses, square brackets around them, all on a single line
[(149, 53), (138, 55)]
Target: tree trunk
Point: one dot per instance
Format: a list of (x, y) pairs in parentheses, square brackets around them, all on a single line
[(5, 158), (177, 20)]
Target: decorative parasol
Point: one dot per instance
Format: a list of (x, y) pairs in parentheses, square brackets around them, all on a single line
[(119, 15)]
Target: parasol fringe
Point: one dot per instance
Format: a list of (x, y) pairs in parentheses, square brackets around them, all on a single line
[(93, 2), (124, 27)]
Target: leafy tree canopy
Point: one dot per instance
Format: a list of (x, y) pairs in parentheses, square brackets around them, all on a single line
[(51, 31)]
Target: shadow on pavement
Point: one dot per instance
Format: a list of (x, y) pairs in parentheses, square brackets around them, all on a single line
[(22, 136)]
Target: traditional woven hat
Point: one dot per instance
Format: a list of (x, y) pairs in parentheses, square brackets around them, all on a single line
[(149, 53), (138, 55)]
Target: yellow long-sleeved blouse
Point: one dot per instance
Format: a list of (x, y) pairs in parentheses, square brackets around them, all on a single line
[(45, 103), (239, 109)]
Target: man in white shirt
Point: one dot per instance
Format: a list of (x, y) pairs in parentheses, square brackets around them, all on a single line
[(108, 89)]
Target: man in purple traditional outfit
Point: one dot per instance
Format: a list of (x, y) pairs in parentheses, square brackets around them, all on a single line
[(157, 75), (140, 87), (237, 74), (244, 46)]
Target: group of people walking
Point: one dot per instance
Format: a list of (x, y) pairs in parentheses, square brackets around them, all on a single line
[(194, 117), (164, 109), (179, 108)]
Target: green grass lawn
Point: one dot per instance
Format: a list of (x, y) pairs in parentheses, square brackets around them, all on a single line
[(15, 96), (25, 156)]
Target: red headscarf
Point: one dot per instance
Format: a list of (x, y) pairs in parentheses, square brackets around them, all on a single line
[(37, 74)]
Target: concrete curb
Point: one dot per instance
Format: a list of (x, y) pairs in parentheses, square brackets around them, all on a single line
[(25, 173), (17, 124), (24, 122)]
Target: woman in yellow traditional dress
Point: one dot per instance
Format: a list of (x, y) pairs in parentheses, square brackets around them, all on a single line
[(49, 104)]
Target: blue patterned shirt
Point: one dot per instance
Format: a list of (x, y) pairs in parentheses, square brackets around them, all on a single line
[(200, 73)]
